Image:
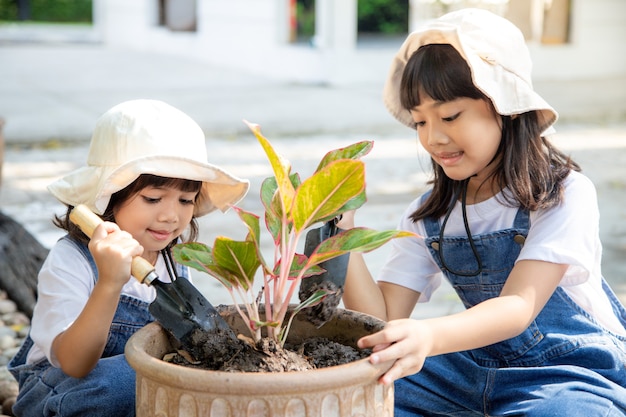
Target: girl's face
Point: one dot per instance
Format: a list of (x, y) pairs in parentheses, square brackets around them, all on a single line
[(461, 135), (155, 216)]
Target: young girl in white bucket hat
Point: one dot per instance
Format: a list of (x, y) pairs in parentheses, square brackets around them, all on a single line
[(511, 223), (148, 177)]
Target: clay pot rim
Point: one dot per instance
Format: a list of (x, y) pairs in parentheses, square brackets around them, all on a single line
[(262, 383)]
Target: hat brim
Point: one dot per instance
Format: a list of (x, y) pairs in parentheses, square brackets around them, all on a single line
[(93, 186), (495, 81)]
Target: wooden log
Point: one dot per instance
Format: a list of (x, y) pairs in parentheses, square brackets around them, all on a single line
[(21, 257), (1, 147)]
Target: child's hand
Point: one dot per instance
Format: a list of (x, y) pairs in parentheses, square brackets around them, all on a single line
[(406, 341), (113, 250)]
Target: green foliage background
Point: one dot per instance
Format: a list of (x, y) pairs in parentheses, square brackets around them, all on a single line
[(383, 16), (61, 11), (374, 16)]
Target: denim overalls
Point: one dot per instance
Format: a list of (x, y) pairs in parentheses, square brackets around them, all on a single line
[(564, 364), (107, 391)]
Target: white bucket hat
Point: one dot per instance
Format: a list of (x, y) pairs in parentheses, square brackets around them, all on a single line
[(496, 53), (147, 137)]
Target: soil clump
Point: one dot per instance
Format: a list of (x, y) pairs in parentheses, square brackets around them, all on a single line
[(221, 353)]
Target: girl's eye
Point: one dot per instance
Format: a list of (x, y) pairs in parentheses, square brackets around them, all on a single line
[(150, 200), (419, 124), (186, 202), (451, 118)]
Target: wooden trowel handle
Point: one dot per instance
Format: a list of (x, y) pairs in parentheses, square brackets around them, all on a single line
[(84, 218)]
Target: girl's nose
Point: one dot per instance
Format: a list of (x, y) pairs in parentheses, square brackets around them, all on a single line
[(168, 213), (435, 136)]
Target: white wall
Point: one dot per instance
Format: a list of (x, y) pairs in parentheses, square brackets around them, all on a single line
[(251, 35), (125, 23), (596, 48)]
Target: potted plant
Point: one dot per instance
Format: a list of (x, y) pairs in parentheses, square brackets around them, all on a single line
[(291, 207)]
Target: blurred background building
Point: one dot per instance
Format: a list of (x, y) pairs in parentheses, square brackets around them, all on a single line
[(577, 45)]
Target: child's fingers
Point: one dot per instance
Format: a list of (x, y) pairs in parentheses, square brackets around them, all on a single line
[(395, 343), (109, 240), (378, 348), (103, 230), (401, 368), (390, 334), (387, 352), (383, 347), (404, 362)]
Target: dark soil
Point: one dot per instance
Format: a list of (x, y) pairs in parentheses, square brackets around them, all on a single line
[(325, 310), (323, 337), (221, 353)]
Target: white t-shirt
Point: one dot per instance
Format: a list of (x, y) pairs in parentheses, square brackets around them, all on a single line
[(565, 234), (65, 282)]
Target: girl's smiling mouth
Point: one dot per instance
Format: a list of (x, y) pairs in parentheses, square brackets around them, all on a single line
[(449, 158), (160, 234)]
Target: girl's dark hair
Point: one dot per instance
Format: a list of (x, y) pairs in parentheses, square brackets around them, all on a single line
[(530, 166), (120, 197)]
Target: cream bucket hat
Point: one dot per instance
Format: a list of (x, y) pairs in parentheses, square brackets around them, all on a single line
[(496, 53), (147, 137)]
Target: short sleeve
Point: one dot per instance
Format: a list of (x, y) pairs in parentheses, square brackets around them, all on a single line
[(64, 284), (409, 263), (568, 233)]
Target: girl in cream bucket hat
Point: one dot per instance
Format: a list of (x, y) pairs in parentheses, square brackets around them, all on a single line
[(148, 177), (511, 223)]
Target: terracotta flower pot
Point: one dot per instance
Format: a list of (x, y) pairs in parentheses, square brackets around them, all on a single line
[(165, 389)]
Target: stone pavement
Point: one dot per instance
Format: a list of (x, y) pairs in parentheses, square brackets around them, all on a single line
[(52, 93), (56, 91)]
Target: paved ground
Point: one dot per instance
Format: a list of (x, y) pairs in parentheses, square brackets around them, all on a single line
[(56, 91), (52, 93)]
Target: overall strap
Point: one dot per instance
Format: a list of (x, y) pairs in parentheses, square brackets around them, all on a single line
[(522, 219), (84, 250), (431, 224)]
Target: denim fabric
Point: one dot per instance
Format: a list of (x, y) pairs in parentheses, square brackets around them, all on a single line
[(107, 391), (563, 364)]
